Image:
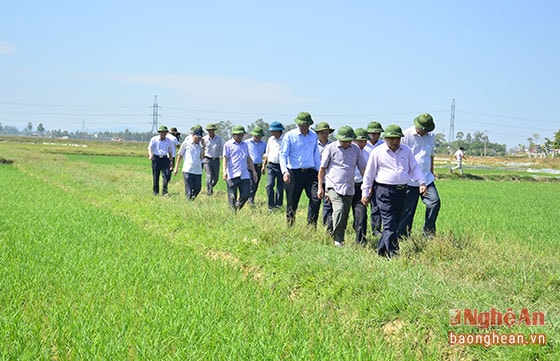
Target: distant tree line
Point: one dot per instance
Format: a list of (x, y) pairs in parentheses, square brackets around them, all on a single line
[(475, 144)]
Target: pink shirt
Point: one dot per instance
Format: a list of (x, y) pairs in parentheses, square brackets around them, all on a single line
[(387, 167)]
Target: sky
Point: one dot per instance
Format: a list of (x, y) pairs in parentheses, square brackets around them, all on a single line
[(98, 65)]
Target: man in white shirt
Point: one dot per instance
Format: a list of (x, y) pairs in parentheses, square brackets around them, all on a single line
[(420, 140), (390, 166), (271, 165), (191, 152), (160, 151), (459, 155)]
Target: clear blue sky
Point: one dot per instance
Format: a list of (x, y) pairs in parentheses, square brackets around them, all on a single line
[(99, 64)]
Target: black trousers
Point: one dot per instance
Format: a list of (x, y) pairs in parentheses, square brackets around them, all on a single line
[(255, 185), (360, 215), (300, 180), (161, 166)]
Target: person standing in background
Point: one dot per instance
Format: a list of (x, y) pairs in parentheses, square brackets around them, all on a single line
[(323, 131), (256, 151), (459, 156), (160, 151), (374, 130), (420, 139), (212, 147), (359, 210), (176, 145), (271, 164)]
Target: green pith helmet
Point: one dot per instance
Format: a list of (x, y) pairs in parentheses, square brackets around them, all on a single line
[(257, 132), (211, 126), (162, 128), (238, 129), (345, 134), (304, 118), (393, 131), (361, 134), (323, 126), (374, 127), (197, 128), (424, 122)]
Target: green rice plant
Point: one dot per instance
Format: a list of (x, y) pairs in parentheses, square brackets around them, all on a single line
[(154, 277)]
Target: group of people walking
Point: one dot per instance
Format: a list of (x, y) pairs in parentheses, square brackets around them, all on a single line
[(387, 170)]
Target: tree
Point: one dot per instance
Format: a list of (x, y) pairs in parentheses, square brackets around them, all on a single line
[(224, 129), (40, 128), (556, 142), (460, 136), (29, 127)]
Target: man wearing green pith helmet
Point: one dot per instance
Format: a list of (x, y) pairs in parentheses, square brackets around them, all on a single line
[(420, 139), (300, 162)]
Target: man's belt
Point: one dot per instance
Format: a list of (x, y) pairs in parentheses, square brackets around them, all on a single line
[(393, 186)]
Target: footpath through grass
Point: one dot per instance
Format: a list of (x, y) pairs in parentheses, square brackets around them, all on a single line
[(159, 268)]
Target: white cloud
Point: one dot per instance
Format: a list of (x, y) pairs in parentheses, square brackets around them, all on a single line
[(7, 48)]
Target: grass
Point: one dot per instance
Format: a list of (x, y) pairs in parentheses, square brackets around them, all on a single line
[(94, 267)]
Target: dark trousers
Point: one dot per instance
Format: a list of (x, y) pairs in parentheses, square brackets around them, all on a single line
[(192, 185), (254, 186), (327, 212), (301, 180), (375, 215), (212, 170), (433, 204), (160, 166), (390, 200), (359, 212), (234, 186), (274, 176)]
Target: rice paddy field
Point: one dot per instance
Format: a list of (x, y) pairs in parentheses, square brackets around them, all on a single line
[(94, 267)]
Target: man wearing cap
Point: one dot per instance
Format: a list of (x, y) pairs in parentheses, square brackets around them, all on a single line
[(174, 132), (338, 167), (176, 145), (300, 162), (160, 151), (323, 131), (191, 152), (271, 164), (420, 140), (358, 209), (212, 146), (237, 169), (374, 130), (390, 165), (256, 151)]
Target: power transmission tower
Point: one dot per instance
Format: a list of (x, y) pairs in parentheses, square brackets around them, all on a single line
[(452, 123), (155, 115)]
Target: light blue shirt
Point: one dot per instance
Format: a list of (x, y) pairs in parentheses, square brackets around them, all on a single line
[(299, 151), (236, 154), (256, 150)]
